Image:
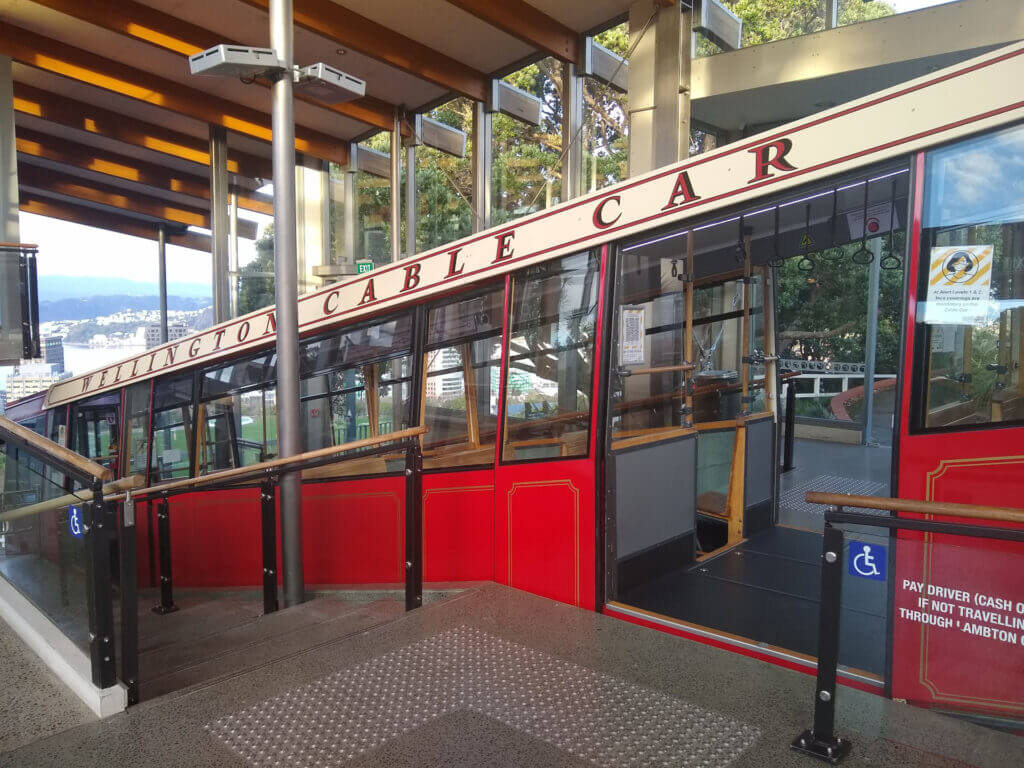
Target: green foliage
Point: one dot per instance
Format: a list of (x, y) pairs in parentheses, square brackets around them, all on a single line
[(822, 315), (768, 20), (256, 288)]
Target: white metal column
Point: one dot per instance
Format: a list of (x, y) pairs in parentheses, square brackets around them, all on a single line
[(289, 434), (161, 267)]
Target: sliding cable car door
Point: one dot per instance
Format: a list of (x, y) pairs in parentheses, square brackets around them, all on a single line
[(958, 616)]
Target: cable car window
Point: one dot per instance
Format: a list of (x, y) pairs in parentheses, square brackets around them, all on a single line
[(462, 364), (136, 435), (94, 429), (550, 360), (356, 384), (172, 428), (970, 312), (648, 358), (236, 423)]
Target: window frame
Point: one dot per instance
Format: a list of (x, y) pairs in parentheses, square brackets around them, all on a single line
[(918, 366), (501, 287), (594, 255)]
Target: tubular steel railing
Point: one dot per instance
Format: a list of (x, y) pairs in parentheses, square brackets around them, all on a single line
[(820, 740)]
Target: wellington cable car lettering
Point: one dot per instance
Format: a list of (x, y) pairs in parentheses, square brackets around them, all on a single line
[(903, 119)]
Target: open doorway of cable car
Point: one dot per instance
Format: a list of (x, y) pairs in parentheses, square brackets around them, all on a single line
[(717, 326)]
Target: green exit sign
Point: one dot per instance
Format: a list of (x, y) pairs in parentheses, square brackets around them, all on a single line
[(362, 267)]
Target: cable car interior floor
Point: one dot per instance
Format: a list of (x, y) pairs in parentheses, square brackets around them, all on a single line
[(496, 677), (766, 588)]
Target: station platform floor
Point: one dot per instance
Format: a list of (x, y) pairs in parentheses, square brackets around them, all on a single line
[(492, 676)]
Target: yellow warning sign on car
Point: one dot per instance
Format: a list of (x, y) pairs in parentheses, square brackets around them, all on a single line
[(959, 280)]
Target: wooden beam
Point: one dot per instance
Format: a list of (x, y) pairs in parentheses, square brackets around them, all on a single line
[(148, 25), (521, 20), (347, 28), (80, 116), (110, 221), (85, 67), (46, 180), (59, 150)]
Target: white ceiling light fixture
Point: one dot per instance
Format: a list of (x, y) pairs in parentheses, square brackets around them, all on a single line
[(321, 81)]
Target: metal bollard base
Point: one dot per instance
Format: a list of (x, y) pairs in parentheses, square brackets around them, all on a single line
[(831, 750), (163, 610)]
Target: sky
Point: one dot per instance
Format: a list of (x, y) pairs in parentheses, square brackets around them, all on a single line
[(73, 249)]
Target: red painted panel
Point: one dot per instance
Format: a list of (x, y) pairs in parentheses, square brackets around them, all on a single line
[(353, 531), (458, 526), (948, 589), (215, 538), (544, 529)]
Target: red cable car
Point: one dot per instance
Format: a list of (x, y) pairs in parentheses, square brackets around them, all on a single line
[(605, 382)]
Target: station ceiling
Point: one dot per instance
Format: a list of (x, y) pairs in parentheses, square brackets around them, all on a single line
[(113, 130)]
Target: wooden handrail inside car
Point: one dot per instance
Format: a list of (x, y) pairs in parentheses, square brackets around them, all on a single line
[(917, 507), (83, 496), (215, 478), (11, 431)]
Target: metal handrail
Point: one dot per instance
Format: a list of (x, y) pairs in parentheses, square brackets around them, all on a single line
[(914, 506), (82, 497), (64, 459), (274, 466), (820, 740)]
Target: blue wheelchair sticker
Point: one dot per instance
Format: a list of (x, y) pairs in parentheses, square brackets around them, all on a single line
[(75, 521), (867, 560)]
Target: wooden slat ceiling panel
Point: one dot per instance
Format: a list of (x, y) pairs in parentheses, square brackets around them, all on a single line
[(410, 52)]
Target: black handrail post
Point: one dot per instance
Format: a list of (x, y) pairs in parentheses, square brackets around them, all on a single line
[(820, 741), (163, 531), (97, 536), (129, 599), (413, 526), (787, 445), (268, 536)]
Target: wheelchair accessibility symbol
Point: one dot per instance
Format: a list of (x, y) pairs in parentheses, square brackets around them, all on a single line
[(867, 560), (75, 521)]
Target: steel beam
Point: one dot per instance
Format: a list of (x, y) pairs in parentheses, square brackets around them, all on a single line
[(482, 159), (572, 132), (396, 188), (289, 434), (219, 233), (161, 266)]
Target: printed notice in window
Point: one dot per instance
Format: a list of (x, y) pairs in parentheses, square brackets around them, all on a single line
[(631, 337), (959, 280)]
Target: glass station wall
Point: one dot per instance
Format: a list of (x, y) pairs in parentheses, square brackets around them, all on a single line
[(444, 183), (526, 170)]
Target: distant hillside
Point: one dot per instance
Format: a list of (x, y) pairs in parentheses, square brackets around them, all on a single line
[(90, 307), (53, 287)]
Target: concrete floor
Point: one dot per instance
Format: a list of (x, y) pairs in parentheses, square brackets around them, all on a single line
[(496, 677), (34, 704)]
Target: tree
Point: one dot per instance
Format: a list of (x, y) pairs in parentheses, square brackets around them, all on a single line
[(767, 20), (256, 279)]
